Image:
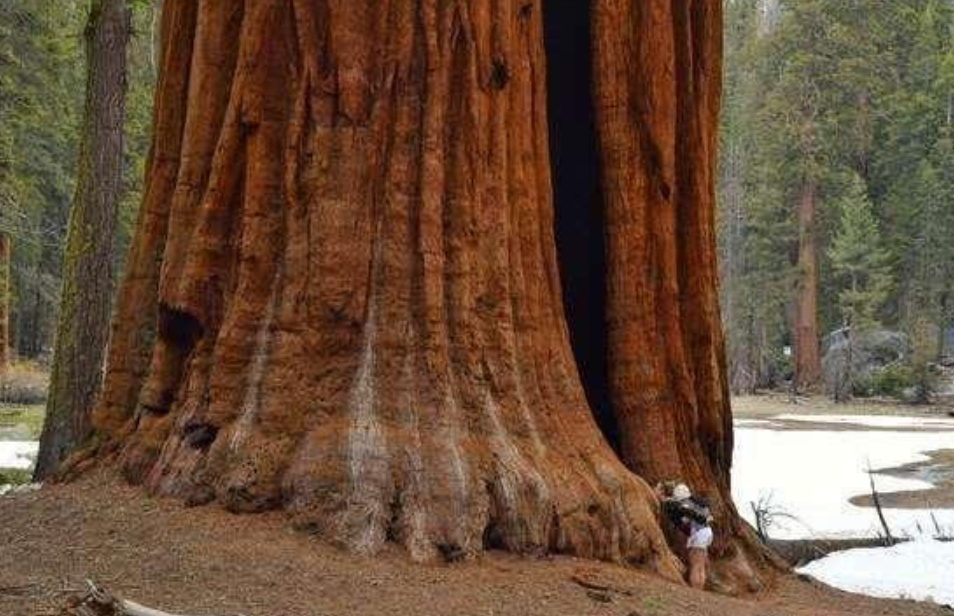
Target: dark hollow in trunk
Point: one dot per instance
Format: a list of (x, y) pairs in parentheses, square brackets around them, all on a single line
[(577, 200)]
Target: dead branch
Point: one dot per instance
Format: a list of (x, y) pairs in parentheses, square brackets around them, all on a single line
[(598, 587), (99, 602), (876, 498)]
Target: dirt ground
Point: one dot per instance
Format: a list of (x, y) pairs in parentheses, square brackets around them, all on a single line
[(937, 470), (206, 561), (768, 405)]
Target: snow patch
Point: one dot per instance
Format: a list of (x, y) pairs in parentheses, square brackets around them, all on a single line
[(922, 570), (813, 474), (18, 454)]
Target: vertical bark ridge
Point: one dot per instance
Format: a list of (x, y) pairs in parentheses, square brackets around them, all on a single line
[(657, 120), (134, 325)]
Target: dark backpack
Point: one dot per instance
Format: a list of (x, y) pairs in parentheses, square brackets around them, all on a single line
[(697, 509)]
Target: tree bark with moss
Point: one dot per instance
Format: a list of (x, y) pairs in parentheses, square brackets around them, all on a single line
[(343, 297), (5, 254), (87, 289)]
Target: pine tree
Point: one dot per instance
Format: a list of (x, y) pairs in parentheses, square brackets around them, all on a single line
[(859, 261), (862, 269), (88, 266)]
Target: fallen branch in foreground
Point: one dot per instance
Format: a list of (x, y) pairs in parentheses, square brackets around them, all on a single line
[(98, 602)]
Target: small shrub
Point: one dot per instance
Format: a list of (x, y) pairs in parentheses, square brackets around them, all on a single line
[(891, 381), (903, 381), (14, 476), (24, 383)]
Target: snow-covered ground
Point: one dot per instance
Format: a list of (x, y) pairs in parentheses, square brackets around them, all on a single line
[(18, 454), (921, 570), (812, 474)]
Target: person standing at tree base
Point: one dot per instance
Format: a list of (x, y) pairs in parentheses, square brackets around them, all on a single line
[(691, 516)]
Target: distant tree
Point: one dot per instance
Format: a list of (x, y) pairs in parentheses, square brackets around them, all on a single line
[(862, 269), (4, 301), (87, 291), (40, 92), (831, 89), (859, 261)]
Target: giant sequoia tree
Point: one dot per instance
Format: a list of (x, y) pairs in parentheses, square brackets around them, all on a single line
[(343, 298)]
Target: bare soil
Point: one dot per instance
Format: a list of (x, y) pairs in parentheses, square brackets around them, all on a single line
[(206, 561), (937, 470), (765, 406)]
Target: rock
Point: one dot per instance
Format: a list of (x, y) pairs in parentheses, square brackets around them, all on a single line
[(870, 352)]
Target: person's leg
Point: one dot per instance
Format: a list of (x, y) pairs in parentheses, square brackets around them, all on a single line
[(697, 568)]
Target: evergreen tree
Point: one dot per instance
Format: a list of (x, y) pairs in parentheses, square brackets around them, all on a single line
[(859, 261)]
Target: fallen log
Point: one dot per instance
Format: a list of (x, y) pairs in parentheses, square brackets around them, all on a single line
[(99, 602)]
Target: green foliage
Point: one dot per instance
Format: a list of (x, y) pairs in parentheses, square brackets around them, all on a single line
[(860, 264), (890, 382), (856, 97), (20, 421), (42, 80)]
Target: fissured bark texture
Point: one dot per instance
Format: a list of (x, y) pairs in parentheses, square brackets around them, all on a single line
[(808, 372), (343, 298), (5, 254), (86, 294), (657, 98)]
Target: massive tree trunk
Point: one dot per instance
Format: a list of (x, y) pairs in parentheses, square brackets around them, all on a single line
[(5, 250), (657, 90), (807, 356), (343, 297), (87, 290)]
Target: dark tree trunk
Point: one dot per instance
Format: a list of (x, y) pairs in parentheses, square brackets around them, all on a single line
[(5, 253), (807, 355), (87, 290), (343, 296)]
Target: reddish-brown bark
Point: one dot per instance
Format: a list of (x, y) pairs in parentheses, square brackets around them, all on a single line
[(807, 355), (658, 89), (343, 297)]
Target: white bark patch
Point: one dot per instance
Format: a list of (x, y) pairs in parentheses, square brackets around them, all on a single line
[(452, 437), (538, 447), (417, 542), (512, 466), (251, 405), (367, 452)]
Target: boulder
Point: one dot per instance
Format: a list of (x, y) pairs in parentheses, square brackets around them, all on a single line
[(870, 351)]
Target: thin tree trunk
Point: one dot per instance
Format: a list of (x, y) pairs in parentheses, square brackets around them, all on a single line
[(87, 290), (5, 343), (807, 355)]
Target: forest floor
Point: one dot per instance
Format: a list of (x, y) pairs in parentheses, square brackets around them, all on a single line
[(205, 561), (771, 404)]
